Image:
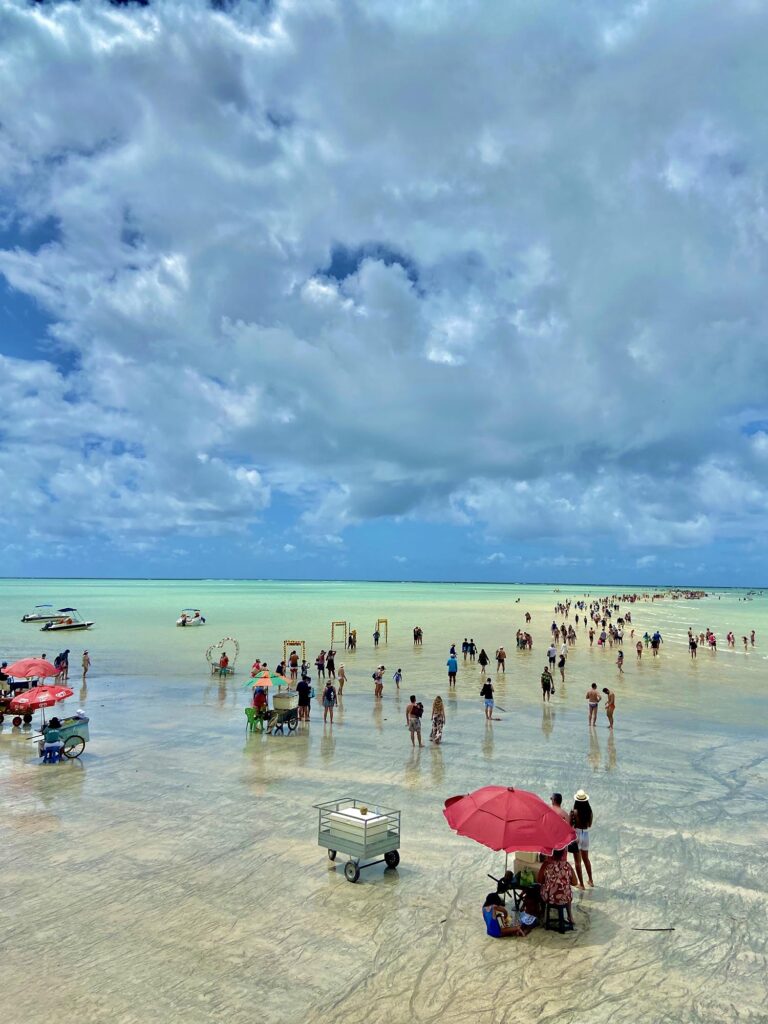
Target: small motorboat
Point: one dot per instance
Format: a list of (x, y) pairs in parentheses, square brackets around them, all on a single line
[(66, 618), (190, 617), (41, 613)]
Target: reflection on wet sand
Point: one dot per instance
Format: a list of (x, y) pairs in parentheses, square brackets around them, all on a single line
[(594, 755), (487, 744), (204, 832), (547, 719)]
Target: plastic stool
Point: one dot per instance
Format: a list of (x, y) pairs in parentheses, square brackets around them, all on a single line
[(51, 756), (563, 924)]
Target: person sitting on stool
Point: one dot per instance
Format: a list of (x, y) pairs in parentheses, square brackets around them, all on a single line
[(52, 740)]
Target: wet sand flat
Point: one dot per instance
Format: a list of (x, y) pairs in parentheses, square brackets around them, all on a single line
[(173, 873)]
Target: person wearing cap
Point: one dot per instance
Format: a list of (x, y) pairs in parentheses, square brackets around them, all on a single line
[(581, 820), (378, 682), (86, 665)]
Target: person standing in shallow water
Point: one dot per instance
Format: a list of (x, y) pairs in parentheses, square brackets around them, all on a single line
[(86, 665), (329, 701), (453, 668), (581, 820), (610, 705), (413, 713), (546, 683), (487, 694), (438, 720), (483, 660), (593, 698)]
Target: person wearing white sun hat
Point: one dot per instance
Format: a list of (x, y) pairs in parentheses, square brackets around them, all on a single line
[(581, 820)]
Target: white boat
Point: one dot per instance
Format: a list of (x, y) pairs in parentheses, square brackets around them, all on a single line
[(41, 613), (66, 619), (190, 617)]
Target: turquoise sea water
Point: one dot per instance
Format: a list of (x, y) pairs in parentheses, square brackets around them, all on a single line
[(190, 848)]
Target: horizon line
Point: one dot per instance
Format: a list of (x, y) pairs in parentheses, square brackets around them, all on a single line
[(424, 582)]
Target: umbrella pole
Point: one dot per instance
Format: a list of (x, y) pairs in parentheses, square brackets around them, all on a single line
[(506, 861)]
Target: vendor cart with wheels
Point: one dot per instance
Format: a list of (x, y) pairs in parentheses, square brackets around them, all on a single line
[(18, 716), (74, 734), (285, 712), (361, 831)]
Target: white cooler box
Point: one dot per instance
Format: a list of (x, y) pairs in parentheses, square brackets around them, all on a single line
[(351, 824)]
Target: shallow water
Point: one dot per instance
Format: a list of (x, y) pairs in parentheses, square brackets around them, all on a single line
[(173, 874)]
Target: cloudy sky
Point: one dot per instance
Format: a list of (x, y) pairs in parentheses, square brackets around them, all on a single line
[(425, 289)]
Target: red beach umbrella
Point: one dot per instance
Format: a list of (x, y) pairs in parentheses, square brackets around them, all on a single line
[(503, 818), (39, 697), (32, 668)]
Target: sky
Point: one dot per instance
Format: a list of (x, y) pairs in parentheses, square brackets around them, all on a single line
[(385, 289)]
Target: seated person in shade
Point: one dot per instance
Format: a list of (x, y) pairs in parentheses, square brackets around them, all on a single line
[(52, 737), (498, 922), (260, 699), (556, 876)]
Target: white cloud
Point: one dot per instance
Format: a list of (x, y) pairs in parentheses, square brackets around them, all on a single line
[(550, 309)]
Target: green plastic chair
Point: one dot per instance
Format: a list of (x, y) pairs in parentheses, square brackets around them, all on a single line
[(252, 723)]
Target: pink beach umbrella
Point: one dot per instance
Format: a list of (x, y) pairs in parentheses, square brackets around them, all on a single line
[(32, 668), (39, 697)]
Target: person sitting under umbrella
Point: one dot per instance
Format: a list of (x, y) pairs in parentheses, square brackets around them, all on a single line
[(556, 876), (52, 737), (498, 922)]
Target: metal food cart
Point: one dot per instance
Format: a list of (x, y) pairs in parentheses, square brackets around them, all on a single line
[(361, 831), (74, 734)]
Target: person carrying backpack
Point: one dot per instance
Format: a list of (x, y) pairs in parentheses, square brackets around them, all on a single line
[(487, 694)]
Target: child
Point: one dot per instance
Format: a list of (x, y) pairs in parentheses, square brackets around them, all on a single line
[(398, 677), (498, 923)]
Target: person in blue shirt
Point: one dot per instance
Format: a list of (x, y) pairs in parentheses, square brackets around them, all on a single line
[(453, 668), (497, 920)]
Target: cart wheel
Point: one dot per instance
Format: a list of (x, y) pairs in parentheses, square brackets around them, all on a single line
[(73, 746), (331, 855), (292, 723), (392, 858), (27, 719), (17, 720), (351, 871)]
